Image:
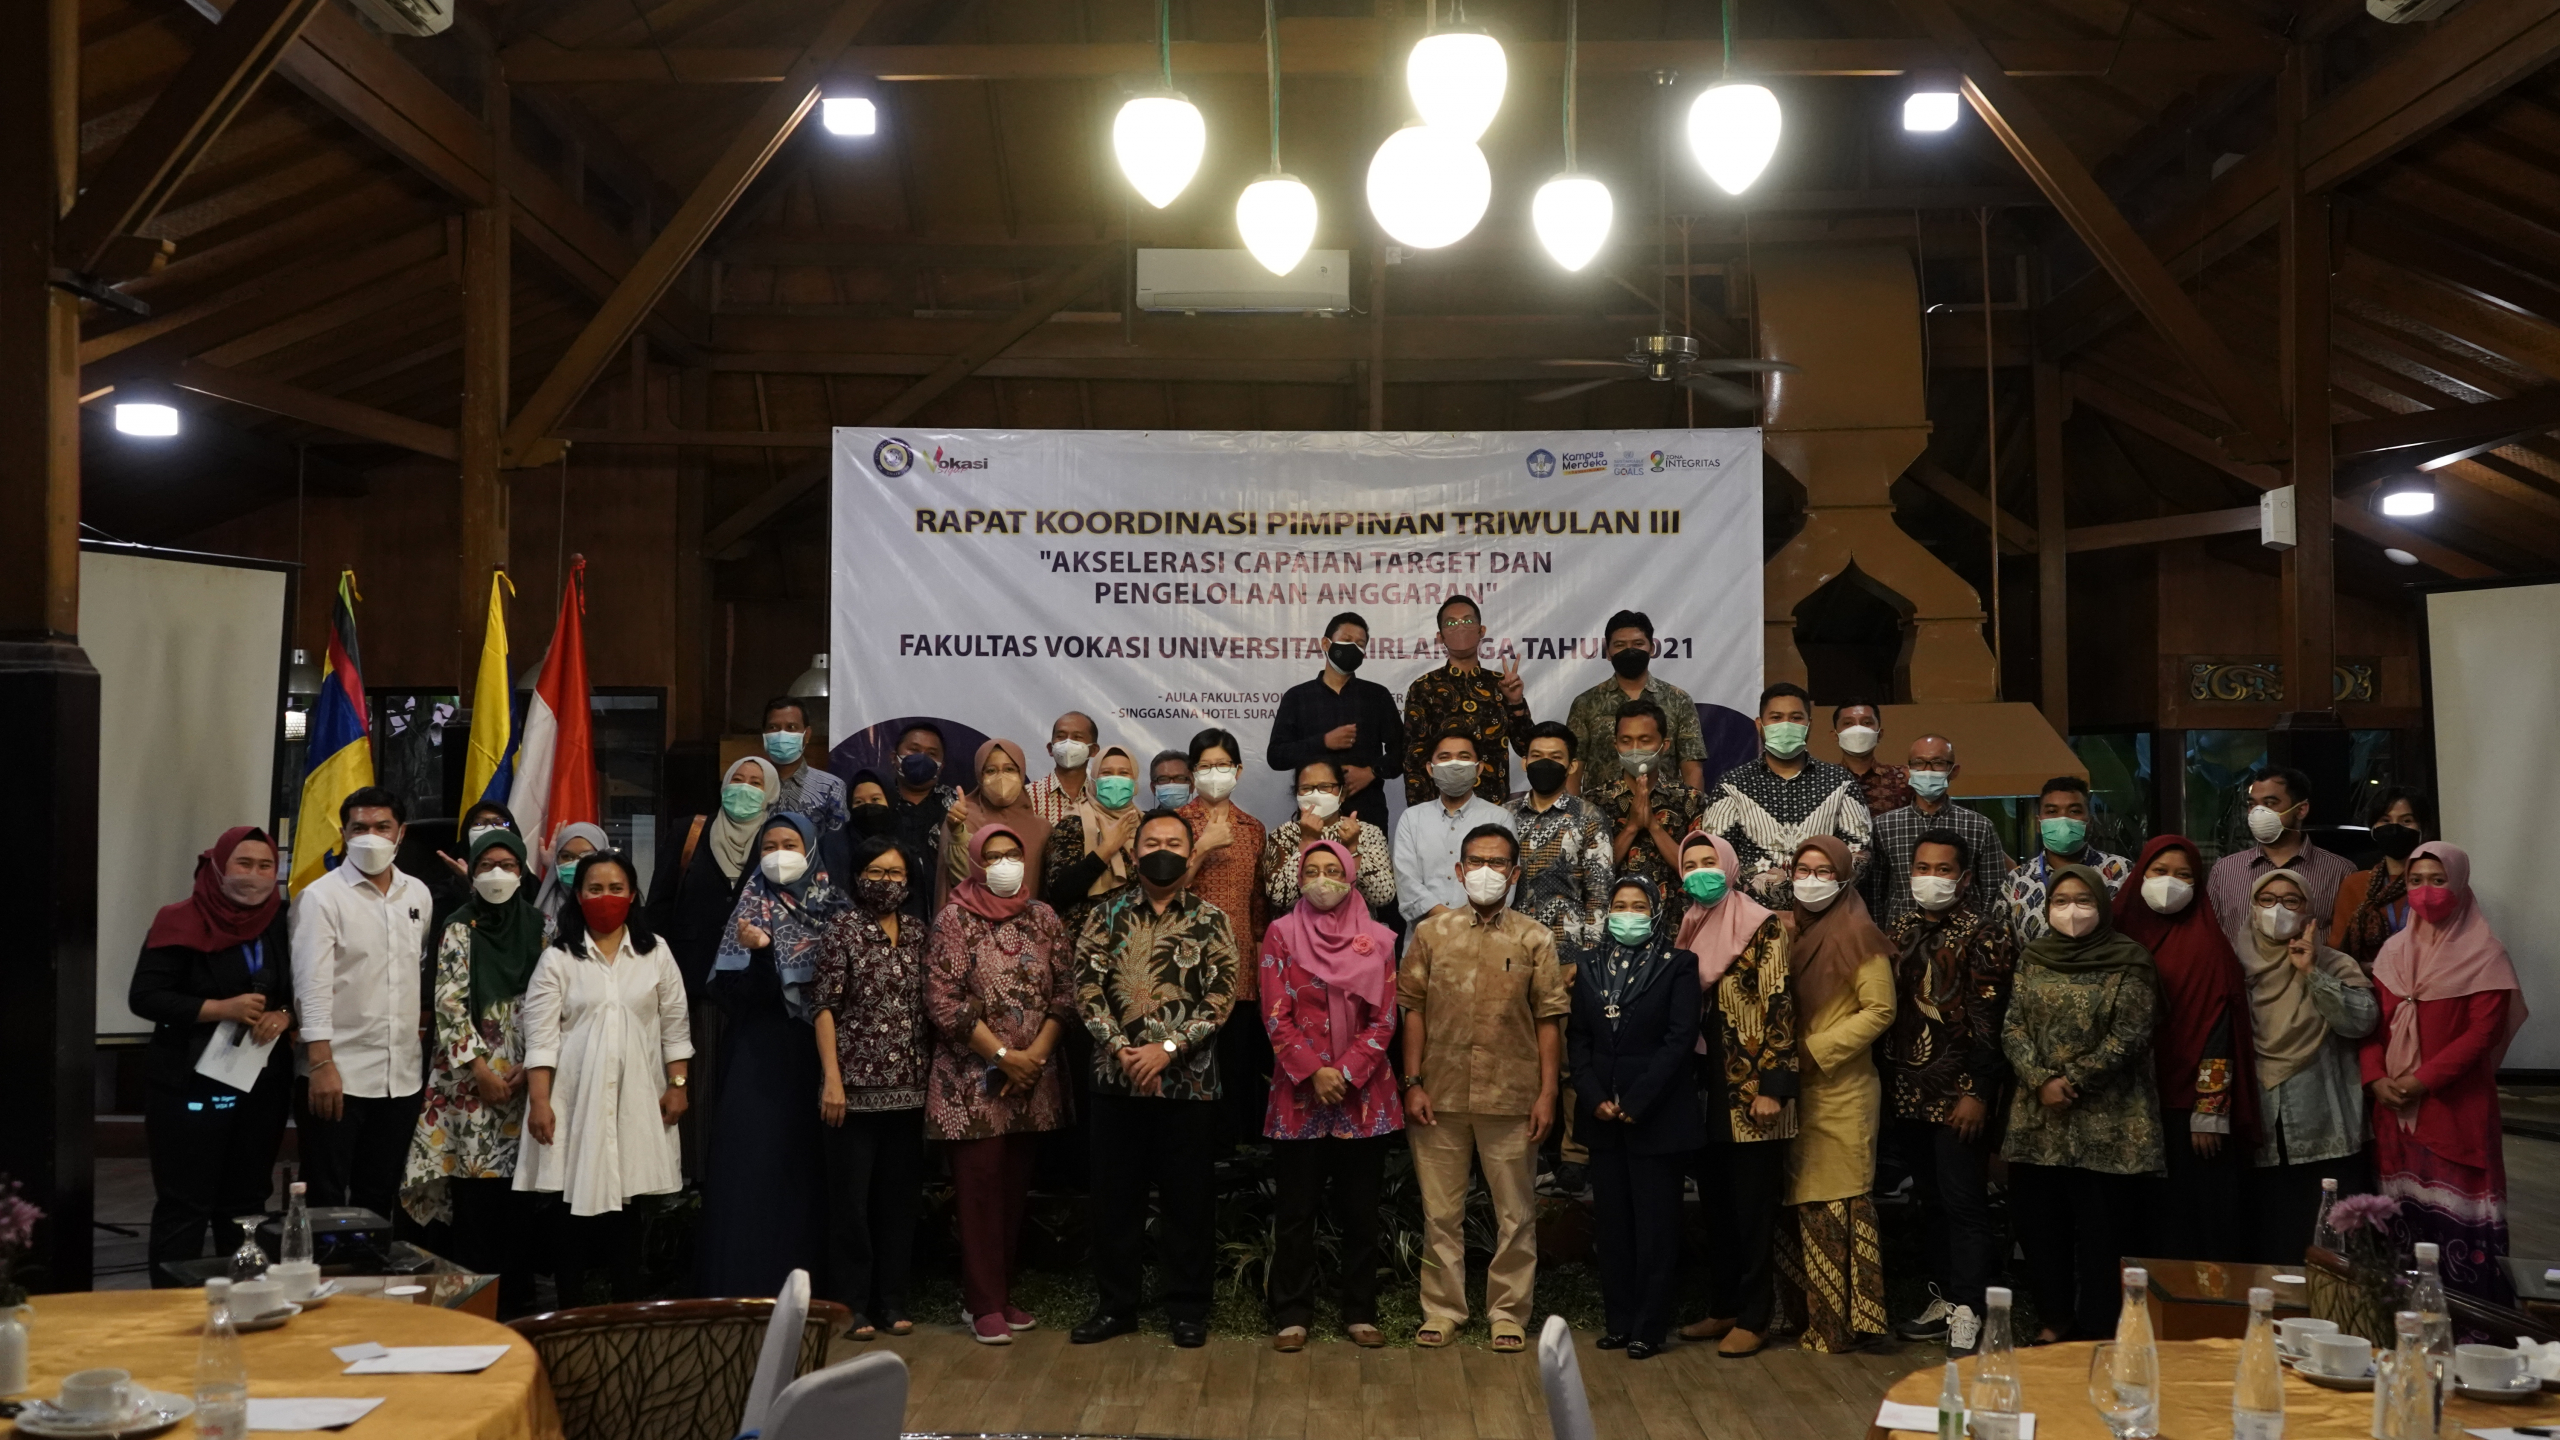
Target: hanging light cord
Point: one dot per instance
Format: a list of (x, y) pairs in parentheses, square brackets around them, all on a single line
[(1728, 39), (1991, 441), (1271, 48), (1572, 28), (1164, 39)]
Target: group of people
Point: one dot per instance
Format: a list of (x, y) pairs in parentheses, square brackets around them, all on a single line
[(1776, 988)]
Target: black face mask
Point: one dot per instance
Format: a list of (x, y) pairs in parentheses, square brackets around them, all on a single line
[(879, 897), (1346, 658), (1630, 663), (1162, 867), (872, 819), (1546, 776), (918, 769), (2396, 840)]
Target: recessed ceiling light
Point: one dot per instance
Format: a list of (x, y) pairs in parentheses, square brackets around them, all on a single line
[(2399, 557), (1930, 110)]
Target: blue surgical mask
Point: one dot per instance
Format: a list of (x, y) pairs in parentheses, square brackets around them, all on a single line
[(1930, 784), (785, 745), (1172, 797), (2062, 835), (1630, 927)]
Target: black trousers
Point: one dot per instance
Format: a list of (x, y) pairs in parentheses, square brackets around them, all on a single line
[(2076, 1227), (357, 1158), (493, 1234), (1953, 1180), (2283, 1200), (2200, 1209), (1244, 1073), (1741, 1183), (1139, 1143), (875, 1185), (608, 1242), (1635, 1223), (213, 1157), (1343, 1175)]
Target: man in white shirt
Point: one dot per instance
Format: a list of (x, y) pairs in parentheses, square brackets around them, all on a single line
[(359, 947), (1429, 837)]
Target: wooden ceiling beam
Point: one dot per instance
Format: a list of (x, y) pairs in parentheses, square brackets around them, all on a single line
[(313, 408), (1352, 49), (2017, 537), (2473, 54), (187, 330), (2049, 161), (184, 121), (2425, 431), (640, 289), (2161, 530), (428, 277)]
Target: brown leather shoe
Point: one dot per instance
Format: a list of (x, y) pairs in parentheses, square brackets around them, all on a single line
[(1740, 1344), (1367, 1337), (1707, 1329)]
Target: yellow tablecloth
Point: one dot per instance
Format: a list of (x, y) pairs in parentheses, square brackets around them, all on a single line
[(153, 1333), (2195, 1397)]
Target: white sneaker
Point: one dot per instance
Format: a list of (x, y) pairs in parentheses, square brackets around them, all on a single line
[(1964, 1328)]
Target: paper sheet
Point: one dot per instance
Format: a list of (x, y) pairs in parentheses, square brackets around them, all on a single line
[(2501, 1433), (1894, 1415), (430, 1360), (233, 1059), (314, 1413), (362, 1350)]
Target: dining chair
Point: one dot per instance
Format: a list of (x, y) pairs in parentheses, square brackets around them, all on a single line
[(1560, 1375), (864, 1399), (774, 1367), (666, 1369)]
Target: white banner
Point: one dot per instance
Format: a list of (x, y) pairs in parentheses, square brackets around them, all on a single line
[(1168, 581)]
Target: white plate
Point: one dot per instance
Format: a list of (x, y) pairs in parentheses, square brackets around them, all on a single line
[(273, 1319), (2335, 1382), (319, 1297), (160, 1409), (2525, 1386)]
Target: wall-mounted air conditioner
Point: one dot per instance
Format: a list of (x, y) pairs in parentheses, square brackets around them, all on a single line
[(406, 17), (2407, 12), (1198, 281)]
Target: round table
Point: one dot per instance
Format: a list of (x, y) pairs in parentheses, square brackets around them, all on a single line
[(154, 1334), (2195, 1397)]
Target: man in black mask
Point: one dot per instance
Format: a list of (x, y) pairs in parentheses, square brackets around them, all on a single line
[(920, 802), (1629, 644), (1348, 722)]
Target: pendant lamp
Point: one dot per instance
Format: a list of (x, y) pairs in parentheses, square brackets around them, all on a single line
[(1733, 126), (1571, 212), (1160, 136), (1276, 214), (1456, 78), (1428, 186)]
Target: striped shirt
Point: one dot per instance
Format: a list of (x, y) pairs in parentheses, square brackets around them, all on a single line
[(1887, 880)]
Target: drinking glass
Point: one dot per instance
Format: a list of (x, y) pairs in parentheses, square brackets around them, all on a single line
[(2124, 1386), (249, 1262)]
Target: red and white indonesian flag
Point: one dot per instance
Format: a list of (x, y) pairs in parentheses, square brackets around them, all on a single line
[(556, 763)]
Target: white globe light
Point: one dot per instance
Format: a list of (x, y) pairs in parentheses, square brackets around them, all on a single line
[(1571, 213), (1733, 130), (849, 115), (2409, 502), (1159, 139), (1277, 217), (1929, 110), (1456, 78), (135, 417), (1429, 186)]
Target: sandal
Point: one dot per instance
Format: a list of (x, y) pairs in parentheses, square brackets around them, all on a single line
[(1509, 1340), (1431, 1337), (1290, 1340), (901, 1325), (1367, 1337), (1726, 1351), (1707, 1329), (861, 1329)]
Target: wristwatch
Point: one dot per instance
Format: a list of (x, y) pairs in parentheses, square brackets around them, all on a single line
[(676, 1080), (1002, 1051), (1172, 1050)]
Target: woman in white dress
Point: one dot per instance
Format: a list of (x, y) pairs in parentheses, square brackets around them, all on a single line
[(606, 1044)]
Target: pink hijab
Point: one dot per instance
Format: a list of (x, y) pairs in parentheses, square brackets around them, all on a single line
[(973, 895), (1716, 933), (1351, 953), (2427, 961)]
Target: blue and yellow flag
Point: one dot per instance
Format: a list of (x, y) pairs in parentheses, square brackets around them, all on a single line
[(341, 755), (489, 771)]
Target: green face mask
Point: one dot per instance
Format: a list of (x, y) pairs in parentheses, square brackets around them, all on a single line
[(567, 874), (1704, 886), (2063, 835), (742, 801), (1629, 927), (1785, 738), (1115, 791)]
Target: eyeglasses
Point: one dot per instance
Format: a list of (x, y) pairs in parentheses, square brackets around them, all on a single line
[(1319, 789), (1461, 624), (1821, 873), (2286, 902)]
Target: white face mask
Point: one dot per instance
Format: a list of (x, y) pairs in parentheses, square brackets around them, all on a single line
[(1455, 777), (2166, 894), (2278, 923), (1070, 754), (1818, 892), (1322, 804), (1931, 892), (1859, 739), (472, 836), (1487, 886), (782, 867), (1638, 762), (2266, 825), (1324, 892), (2074, 918), (1004, 877), (497, 887), (371, 854), (1217, 782)]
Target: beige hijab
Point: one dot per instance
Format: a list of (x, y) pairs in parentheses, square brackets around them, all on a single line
[(2288, 1027), (1089, 811)]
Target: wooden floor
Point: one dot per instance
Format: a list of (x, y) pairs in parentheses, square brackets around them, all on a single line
[(1243, 1390)]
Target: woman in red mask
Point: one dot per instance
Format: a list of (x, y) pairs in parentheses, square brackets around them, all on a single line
[(607, 1038)]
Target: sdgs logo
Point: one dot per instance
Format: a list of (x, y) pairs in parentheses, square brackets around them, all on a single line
[(893, 457), (1541, 464)]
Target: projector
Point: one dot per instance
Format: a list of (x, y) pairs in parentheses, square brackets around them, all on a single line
[(346, 1238)]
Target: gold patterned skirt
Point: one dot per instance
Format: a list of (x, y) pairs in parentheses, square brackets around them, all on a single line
[(1830, 1264)]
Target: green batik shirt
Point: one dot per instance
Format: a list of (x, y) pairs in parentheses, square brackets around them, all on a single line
[(1143, 978), (1594, 722)]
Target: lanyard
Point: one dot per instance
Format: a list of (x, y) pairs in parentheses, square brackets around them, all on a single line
[(255, 953)]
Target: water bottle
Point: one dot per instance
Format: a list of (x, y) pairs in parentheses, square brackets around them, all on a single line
[(2409, 1411), (295, 1247), (2435, 1338), (1997, 1398), (2257, 1391), (1951, 1405), (2133, 1336), (222, 1376), (2324, 1235)]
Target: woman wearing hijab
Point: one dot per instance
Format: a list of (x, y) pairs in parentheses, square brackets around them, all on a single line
[(699, 878), (2308, 1006), (2450, 1004), (569, 845), (1003, 797), (871, 1045), (1089, 847), (2201, 1057), (1328, 974), (1000, 989), (763, 1209), (216, 965), (1629, 1036), (2373, 905), (1830, 1258), (1745, 1073), (451, 883), (462, 1158), (2084, 1122)]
